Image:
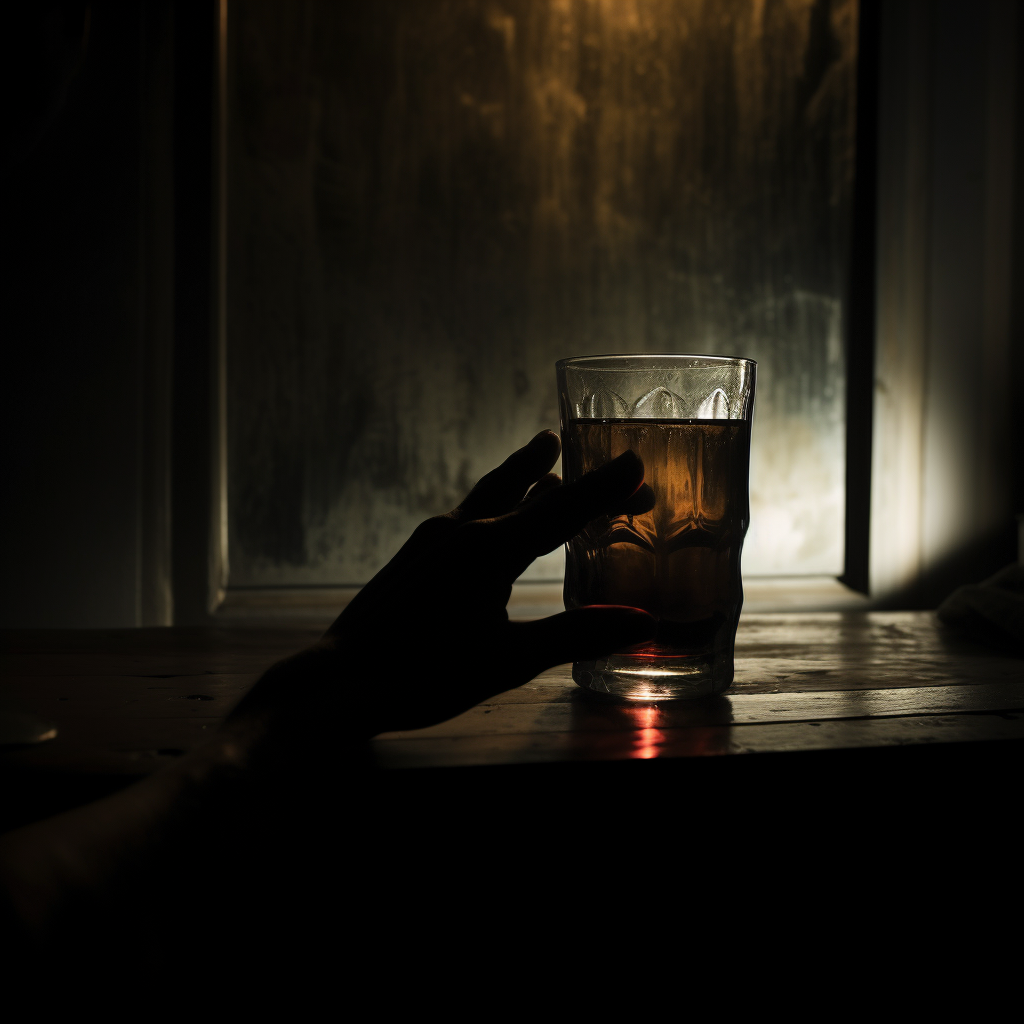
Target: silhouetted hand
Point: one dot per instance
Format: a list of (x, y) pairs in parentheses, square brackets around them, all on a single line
[(428, 637)]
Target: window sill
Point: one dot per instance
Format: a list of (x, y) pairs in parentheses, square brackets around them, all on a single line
[(319, 605)]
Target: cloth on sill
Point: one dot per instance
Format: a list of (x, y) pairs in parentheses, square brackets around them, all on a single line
[(991, 611)]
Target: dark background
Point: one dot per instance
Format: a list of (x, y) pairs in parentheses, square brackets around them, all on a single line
[(108, 275)]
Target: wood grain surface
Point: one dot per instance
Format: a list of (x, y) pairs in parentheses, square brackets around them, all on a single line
[(124, 701)]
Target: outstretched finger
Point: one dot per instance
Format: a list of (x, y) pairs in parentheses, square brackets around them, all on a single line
[(503, 488), (639, 503), (537, 527), (580, 635), (544, 485)]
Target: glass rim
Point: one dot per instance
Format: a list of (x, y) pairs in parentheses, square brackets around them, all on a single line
[(609, 361)]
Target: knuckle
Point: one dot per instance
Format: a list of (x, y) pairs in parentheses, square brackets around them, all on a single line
[(435, 526), (475, 533)]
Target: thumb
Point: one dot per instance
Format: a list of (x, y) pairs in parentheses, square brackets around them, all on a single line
[(582, 634)]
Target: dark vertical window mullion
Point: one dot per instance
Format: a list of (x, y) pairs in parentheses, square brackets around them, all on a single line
[(860, 303), (194, 95)]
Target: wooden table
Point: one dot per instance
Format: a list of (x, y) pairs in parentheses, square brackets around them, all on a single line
[(125, 702)]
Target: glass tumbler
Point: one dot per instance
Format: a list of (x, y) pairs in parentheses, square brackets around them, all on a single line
[(673, 549)]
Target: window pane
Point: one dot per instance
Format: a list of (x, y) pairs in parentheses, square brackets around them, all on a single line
[(431, 202)]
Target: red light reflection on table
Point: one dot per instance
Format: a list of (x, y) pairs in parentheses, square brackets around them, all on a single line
[(649, 739)]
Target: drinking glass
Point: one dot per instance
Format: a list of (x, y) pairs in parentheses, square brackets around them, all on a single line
[(674, 548)]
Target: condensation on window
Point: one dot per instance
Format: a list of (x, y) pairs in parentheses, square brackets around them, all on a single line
[(430, 203)]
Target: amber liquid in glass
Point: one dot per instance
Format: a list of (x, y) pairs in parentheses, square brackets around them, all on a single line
[(681, 560)]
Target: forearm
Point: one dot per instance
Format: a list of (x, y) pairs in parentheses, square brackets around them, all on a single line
[(194, 819), (85, 856)]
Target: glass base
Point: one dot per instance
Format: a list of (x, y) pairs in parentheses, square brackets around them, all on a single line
[(656, 679)]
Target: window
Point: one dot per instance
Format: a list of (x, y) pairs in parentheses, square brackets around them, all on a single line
[(428, 204)]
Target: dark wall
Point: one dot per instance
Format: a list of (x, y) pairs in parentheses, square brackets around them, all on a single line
[(948, 329), (84, 392)]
